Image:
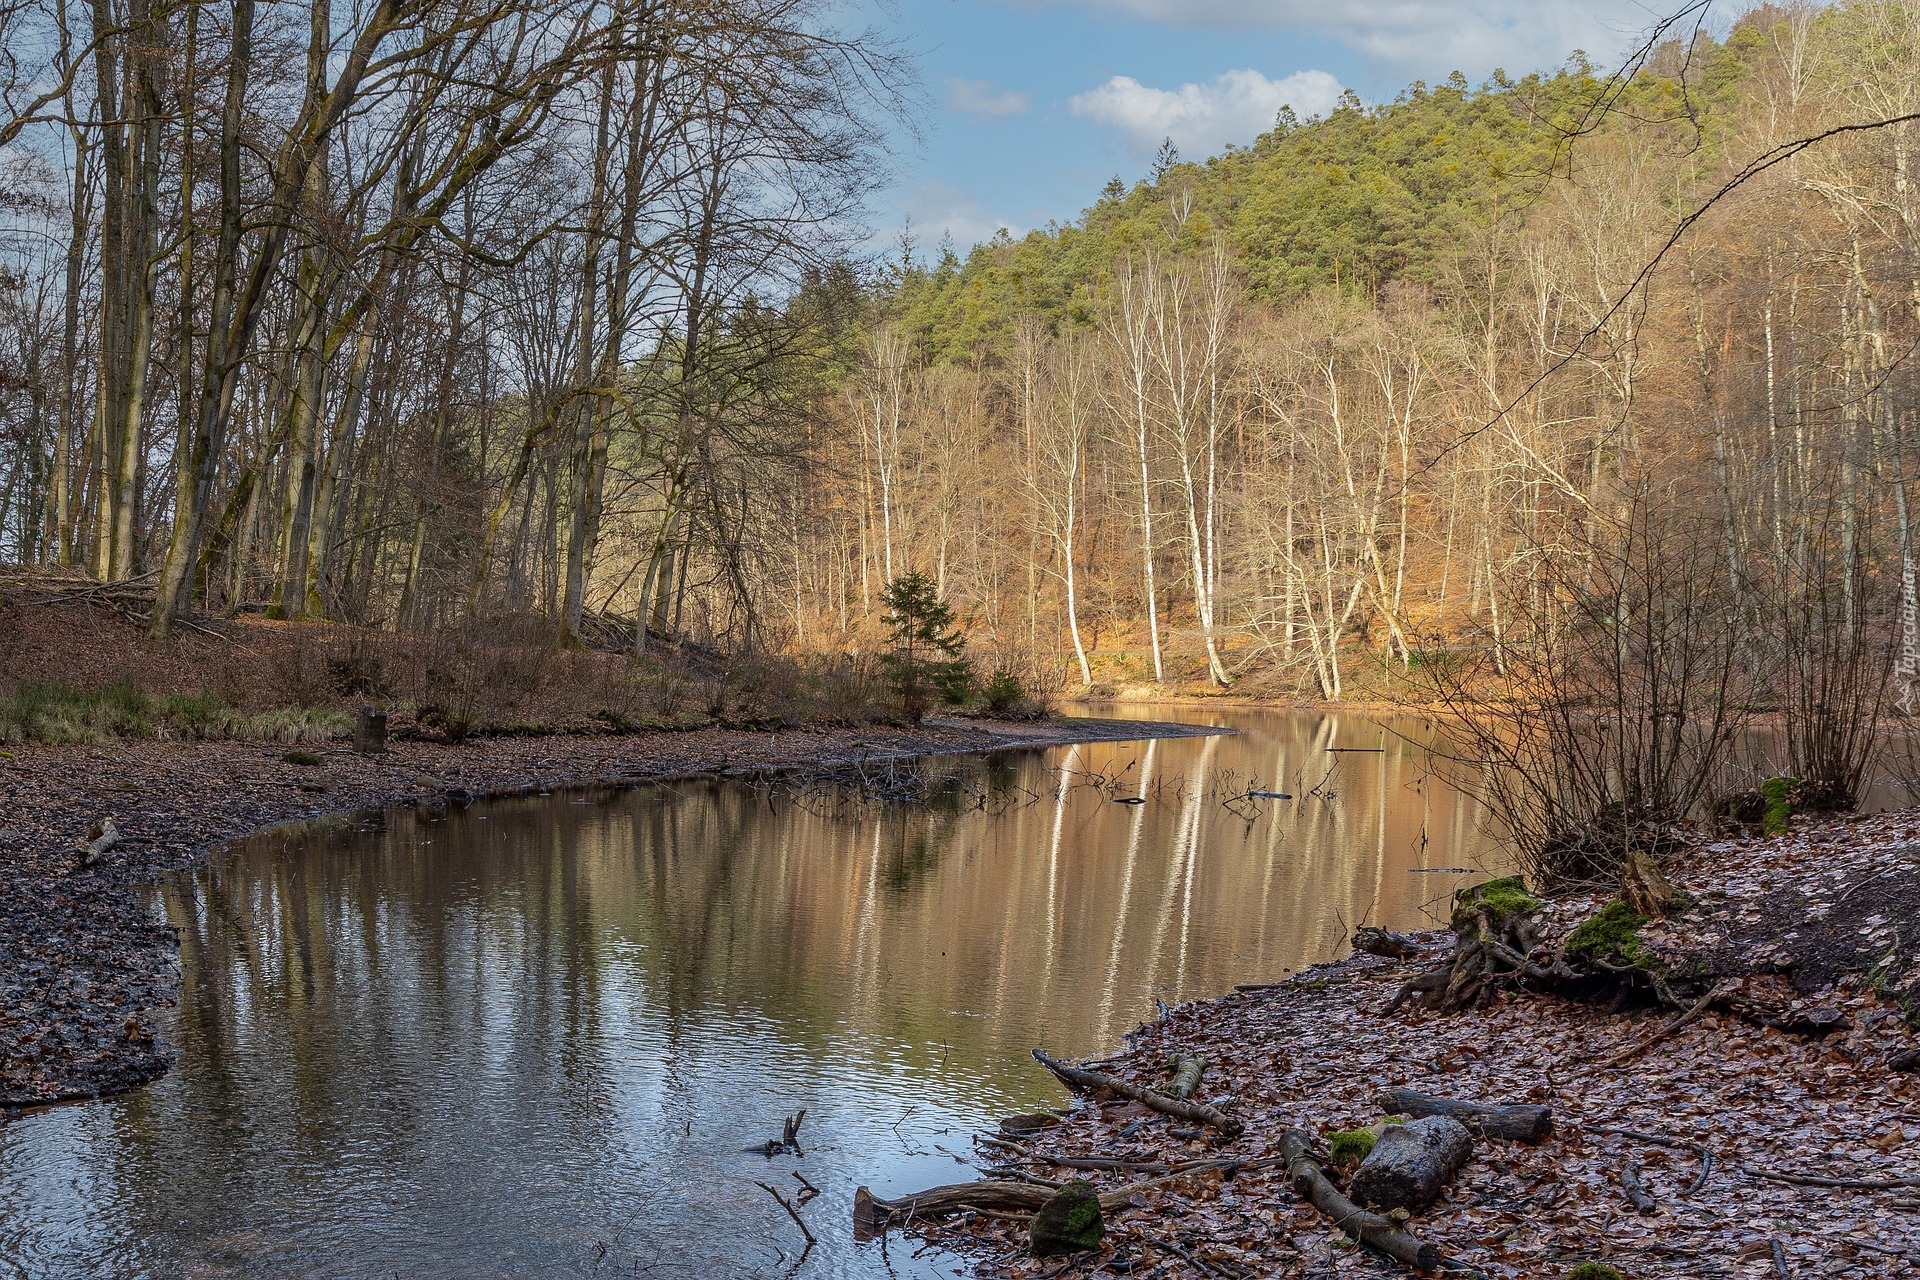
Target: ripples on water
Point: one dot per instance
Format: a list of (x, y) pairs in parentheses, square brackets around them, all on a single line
[(536, 1038)]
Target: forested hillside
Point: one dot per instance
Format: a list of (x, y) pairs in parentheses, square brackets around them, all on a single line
[(443, 315), (1366, 389)]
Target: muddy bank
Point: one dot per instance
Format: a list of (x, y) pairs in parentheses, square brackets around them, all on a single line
[(83, 963), (1766, 1151)]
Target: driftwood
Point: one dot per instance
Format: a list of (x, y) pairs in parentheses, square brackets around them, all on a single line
[(789, 1139), (792, 1212), (1521, 1122), (872, 1213), (1186, 1074), (1412, 1163), (1199, 1112), (1384, 942), (1380, 1234), (102, 838)]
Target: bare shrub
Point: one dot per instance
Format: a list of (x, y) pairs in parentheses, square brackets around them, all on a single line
[(478, 676), (1604, 718), (296, 664), (359, 662), (1832, 658)]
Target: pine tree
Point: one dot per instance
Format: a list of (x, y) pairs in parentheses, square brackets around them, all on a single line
[(926, 660)]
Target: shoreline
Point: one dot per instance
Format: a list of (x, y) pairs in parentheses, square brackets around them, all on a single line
[(1755, 1142), (84, 965)]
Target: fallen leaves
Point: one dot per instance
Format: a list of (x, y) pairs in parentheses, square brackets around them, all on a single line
[(1741, 1135)]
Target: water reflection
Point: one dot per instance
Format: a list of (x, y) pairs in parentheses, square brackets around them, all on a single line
[(538, 1037)]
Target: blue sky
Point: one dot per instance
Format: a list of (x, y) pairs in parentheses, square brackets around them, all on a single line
[(1031, 105)]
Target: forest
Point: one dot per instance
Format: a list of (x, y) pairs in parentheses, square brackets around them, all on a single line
[(442, 315)]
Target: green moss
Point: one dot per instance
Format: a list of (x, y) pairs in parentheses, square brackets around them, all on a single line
[(301, 757), (1350, 1146), (1779, 794), (1071, 1222), (1613, 933), (1506, 897), (1595, 1271)]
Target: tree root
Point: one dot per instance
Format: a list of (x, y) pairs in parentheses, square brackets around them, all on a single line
[(1495, 927)]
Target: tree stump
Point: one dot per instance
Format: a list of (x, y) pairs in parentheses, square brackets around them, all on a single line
[(1412, 1163), (1068, 1223), (370, 732), (1495, 925)]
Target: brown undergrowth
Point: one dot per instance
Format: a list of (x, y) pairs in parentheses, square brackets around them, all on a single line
[(76, 666)]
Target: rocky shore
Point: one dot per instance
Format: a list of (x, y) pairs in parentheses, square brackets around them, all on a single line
[(84, 964)]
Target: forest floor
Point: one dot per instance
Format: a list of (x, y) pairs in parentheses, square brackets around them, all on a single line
[(1814, 1139), (85, 964)]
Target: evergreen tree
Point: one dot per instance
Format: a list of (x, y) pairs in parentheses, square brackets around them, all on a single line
[(926, 660)]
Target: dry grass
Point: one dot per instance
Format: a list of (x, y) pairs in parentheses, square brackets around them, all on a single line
[(58, 713)]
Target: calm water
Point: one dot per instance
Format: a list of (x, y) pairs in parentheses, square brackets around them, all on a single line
[(536, 1038)]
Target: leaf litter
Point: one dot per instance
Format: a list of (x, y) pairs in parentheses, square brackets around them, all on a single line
[(1814, 930)]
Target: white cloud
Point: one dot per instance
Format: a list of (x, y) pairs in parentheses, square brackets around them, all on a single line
[(1426, 38), (938, 209), (980, 98), (1235, 106)]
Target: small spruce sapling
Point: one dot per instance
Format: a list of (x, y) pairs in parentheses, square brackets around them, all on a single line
[(926, 661)]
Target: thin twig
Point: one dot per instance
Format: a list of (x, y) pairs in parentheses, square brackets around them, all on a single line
[(1177, 1251), (1671, 1026), (792, 1212)]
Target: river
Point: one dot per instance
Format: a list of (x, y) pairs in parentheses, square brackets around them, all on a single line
[(538, 1037)]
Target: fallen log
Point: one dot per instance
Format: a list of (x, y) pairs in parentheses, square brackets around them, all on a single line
[(1846, 1184), (1771, 1175), (1412, 1163), (872, 1213), (1518, 1122), (1199, 1112), (1107, 1164), (101, 838), (1370, 1229), (1186, 1074)]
